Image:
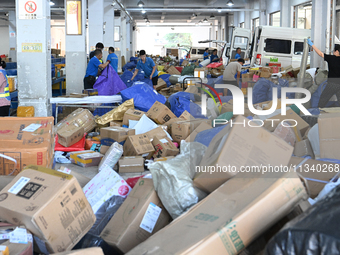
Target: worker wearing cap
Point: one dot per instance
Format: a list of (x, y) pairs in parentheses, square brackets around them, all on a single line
[(333, 82), (92, 69), (148, 66)]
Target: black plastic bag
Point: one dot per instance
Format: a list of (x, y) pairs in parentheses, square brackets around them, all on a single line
[(315, 232)]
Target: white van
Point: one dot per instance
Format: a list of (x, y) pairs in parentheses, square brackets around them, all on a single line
[(196, 53), (283, 44)]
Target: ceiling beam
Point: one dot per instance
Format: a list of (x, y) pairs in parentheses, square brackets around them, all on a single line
[(192, 10), (210, 2)]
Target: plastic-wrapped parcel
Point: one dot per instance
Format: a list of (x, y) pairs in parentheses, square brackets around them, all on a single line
[(315, 232), (112, 156), (173, 179)]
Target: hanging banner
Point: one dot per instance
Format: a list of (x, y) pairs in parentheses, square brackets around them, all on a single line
[(73, 17)]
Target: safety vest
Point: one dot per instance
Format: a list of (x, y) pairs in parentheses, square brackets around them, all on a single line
[(6, 93)]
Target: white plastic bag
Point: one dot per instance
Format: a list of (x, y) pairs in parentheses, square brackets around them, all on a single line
[(112, 156), (173, 179)]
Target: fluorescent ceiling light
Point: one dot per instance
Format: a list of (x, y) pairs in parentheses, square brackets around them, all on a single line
[(140, 4), (52, 3), (219, 9), (230, 3), (205, 20), (143, 11), (212, 16)]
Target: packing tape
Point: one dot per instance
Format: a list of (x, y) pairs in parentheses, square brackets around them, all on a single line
[(11, 159)]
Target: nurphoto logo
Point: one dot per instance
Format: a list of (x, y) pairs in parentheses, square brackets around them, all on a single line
[(238, 103)]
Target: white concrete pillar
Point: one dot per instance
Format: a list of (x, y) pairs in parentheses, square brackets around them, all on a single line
[(285, 13), (96, 23), (263, 18), (128, 40), (323, 15), (247, 20), (34, 55), (123, 32), (109, 21), (76, 61), (134, 41), (12, 35)]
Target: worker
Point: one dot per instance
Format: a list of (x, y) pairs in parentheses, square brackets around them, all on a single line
[(5, 96), (214, 57), (333, 82), (206, 54), (113, 58), (232, 69), (92, 69), (148, 66), (99, 46), (238, 53)]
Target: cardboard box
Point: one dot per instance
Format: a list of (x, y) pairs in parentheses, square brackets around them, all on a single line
[(182, 129), (265, 74), (89, 159), (110, 135), (303, 148), (230, 218), (168, 123), (160, 113), (81, 118), (103, 186), (74, 155), (164, 147), (25, 147), (116, 123), (203, 126), (186, 115), (286, 133), (70, 135), (133, 164), (239, 147), (161, 84), (138, 145), (127, 228), (163, 158), (88, 251), (172, 70), (200, 72), (157, 132), (50, 204), (314, 170), (228, 107), (290, 114), (132, 114), (329, 135)]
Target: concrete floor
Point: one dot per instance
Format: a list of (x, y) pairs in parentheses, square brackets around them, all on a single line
[(91, 172)]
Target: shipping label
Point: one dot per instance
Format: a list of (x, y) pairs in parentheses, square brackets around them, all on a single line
[(150, 217), (19, 185)]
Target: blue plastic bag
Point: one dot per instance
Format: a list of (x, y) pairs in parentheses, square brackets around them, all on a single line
[(109, 83), (129, 66), (263, 90), (182, 101), (143, 96), (134, 60), (316, 96), (206, 136), (147, 81), (126, 78)]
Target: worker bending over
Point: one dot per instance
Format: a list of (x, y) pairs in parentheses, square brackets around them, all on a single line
[(148, 66), (333, 81), (92, 69), (230, 71), (112, 57)]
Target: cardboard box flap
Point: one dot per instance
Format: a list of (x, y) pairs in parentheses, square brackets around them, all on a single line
[(219, 224)]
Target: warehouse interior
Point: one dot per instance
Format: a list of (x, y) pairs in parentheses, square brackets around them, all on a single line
[(169, 127)]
